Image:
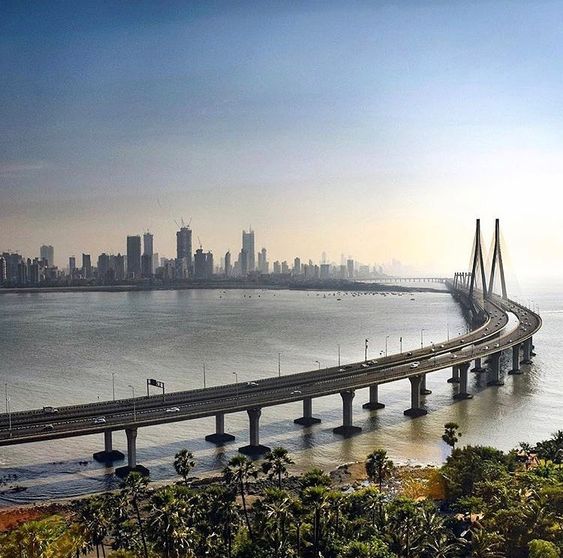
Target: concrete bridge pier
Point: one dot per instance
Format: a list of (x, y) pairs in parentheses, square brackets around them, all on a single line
[(455, 375), (516, 359), (307, 419), (478, 366), (347, 427), (494, 361), (423, 389), (527, 348), (220, 437), (109, 455), (416, 409), (373, 402), (254, 448), (132, 464), (463, 375)]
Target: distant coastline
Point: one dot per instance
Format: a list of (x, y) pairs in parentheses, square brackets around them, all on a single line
[(227, 285)]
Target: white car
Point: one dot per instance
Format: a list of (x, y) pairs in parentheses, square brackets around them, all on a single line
[(173, 409), (251, 384), (296, 392), (100, 420), (415, 364)]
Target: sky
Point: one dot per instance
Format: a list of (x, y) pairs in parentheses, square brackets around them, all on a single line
[(372, 129)]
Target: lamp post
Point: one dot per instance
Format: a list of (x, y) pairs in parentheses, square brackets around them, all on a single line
[(9, 411), (338, 356), (401, 344), (366, 350), (386, 341), (134, 405), (236, 382), (113, 385), (204, 378), (422, 337), (6, 395), (319, 363), (279, 365)]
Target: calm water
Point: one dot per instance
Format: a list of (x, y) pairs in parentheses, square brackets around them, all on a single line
[(59, 349)]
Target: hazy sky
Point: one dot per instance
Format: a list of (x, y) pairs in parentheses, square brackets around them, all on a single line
[(375, 129)]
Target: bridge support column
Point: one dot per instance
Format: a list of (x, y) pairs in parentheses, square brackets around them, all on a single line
[(109, 455), (347, 427), (478, 366), (132, 464), (494, 361), (423, 388), (220, 437), (463, 374), (254, 448), (307, 419), (416, 409), (527, 352), (455, 375), (516, 359), (373, 402)]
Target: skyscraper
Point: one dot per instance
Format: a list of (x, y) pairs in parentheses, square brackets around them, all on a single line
[(134, 256), (3, 270), (184, 265), (350, 268), (248, 247), (86, 266), (228, 267), (148, 244), (47, 253), (71, 265)]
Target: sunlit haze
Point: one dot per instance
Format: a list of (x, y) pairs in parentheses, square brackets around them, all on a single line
[(376, 130)]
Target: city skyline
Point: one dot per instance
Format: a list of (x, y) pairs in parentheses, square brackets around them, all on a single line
[(366, 129)]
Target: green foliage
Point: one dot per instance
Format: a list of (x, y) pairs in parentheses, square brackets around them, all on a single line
[(451, 434), (551, 449), (184, 463), (543, 549), (378, 466)]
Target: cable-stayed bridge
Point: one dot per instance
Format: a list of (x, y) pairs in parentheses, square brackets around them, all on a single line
[(488, 314)]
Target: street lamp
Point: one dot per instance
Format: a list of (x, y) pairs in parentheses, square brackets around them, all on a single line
[(236, 381), (401, 344), (386, 340), (113, 384), (338, 356), (204, 378), (9, 411), (279, 365), (134, 406), (319, 363), (422, 337), (366, 350)]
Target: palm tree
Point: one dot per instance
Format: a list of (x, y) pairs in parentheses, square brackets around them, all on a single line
[(237, 474), (378, 466), (134, 487), (275, 466), (451, 434), (184, 463), (486, 544), (315, 497), (95, 517), (276, 508)]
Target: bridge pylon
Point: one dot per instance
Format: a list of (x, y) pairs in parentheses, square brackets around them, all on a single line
[(477, 266), (497, 261)]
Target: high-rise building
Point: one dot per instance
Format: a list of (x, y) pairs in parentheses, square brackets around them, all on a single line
[(71, 265), (119, 267), (209, 265), (3, 270), (86, 266), (146, 265), (248, 247), (103, 267), (277, 267), (350, 268), (134, 256), (184, 245), (297, 266), (263, 264), (203, 265), (284, 268), (148, 244), (243, 263), (47, 253), (228, 267), (325, 271)]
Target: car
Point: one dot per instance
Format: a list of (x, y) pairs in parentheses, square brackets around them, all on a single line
[(415, 364), (100, 420), (48, 427), (342, 369), (486, 347), (453, 355), (372, 362), (497, 345), (296, 392), (251, 383), (365, 365), (442, 346), (409, 354), (173, 409), (510, 340), (50, 410)]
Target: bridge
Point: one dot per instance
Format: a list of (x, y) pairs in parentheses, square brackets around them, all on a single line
[(391, 279), (487, 312)]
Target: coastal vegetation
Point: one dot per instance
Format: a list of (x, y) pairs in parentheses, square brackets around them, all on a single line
[(482, 503)]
